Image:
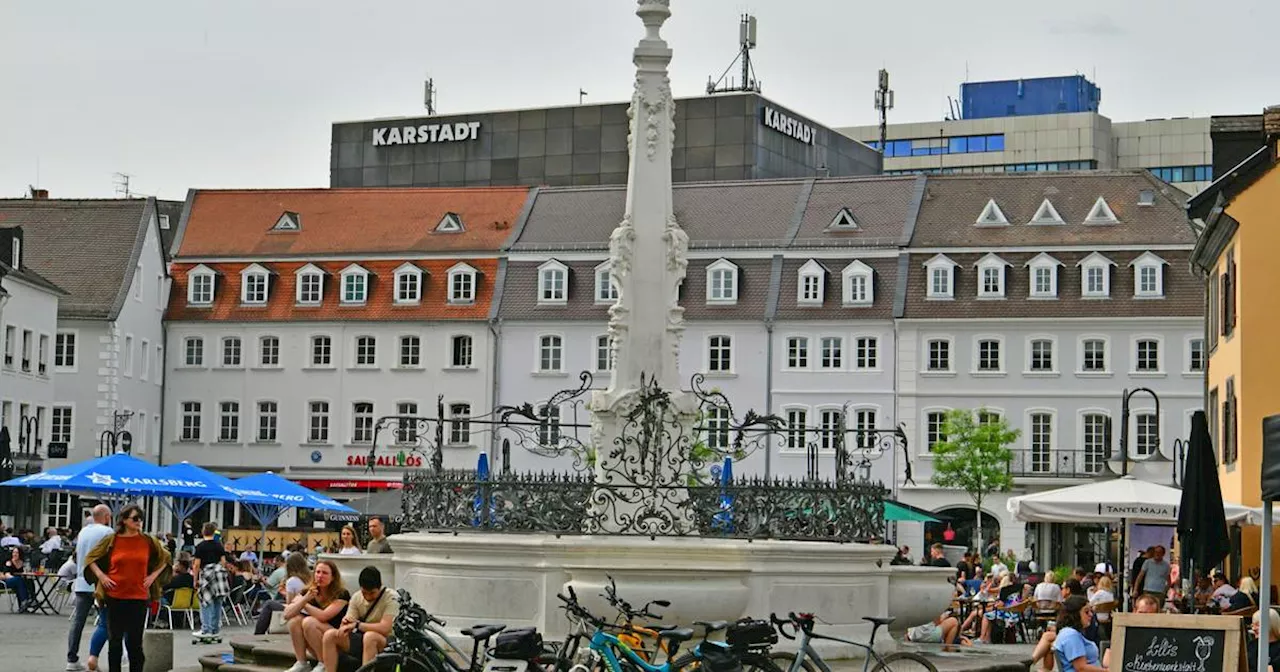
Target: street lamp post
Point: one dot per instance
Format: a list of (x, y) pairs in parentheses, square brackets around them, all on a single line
[(117, 436), (27, 460), (1124, 424)]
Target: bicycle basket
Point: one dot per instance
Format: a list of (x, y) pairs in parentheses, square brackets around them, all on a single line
[(522, 644), (750, 633)]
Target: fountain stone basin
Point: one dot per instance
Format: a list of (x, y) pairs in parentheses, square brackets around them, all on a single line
[(514, 579), (918, 594)]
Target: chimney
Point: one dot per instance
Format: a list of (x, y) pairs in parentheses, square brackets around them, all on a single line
[(39, 194), (1271, 127)]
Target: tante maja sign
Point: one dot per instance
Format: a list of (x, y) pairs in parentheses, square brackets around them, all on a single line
[(788, 125), (426, 133)]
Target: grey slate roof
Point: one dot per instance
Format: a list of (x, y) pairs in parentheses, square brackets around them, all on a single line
[(732, 214), (1183, 292), (880, 205), (953, 202), (884, 286), (89, 248), (174, 210), (28, 275)]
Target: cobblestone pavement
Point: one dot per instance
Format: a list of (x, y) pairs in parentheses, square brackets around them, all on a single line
[(31, 643)]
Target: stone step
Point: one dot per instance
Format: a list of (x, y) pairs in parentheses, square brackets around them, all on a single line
[(211, 662)]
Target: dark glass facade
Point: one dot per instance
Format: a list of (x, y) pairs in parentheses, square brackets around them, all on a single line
[(729, 137)]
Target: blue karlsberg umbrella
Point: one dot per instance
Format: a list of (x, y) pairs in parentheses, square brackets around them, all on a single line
[(118, 474), (220, 488), (266, 496)]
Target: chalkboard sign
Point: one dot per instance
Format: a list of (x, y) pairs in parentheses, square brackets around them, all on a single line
[(1173, 643)]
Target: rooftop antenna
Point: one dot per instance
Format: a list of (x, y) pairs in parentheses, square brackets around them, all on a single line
[(429, 96), (884, 103), (122, 184), (582, 95), (746, 42)]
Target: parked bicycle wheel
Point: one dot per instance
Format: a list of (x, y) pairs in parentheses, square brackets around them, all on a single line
[(785, 659), (904, 661)]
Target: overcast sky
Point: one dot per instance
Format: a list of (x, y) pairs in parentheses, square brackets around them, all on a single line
[(241, 93)]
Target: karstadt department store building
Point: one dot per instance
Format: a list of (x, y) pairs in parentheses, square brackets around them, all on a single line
[(726, 137)]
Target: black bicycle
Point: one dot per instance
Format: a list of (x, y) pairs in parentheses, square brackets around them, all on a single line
[(808, 660)]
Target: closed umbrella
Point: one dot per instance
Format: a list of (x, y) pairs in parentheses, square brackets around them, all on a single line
[(1202, 524)]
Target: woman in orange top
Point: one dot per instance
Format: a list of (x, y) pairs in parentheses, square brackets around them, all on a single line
[(130, 569)]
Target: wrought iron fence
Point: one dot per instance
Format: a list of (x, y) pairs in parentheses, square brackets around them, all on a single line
[(748, 508), (1031, 463)]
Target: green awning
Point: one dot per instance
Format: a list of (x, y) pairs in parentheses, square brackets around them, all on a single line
[(905, 512)]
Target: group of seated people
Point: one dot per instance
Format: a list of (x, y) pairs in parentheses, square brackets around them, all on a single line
[(325, 620)]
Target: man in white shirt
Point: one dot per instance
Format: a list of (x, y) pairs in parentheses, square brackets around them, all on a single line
[(998, 568), (1222, 592), (89, 537), (9, 539), (52, 542)]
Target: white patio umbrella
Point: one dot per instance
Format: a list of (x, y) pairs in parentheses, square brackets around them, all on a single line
[(1126, 498)]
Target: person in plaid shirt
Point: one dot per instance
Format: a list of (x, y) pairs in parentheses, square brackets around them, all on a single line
[(211, 579)]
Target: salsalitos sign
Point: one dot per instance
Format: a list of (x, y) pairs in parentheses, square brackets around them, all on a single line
[(426, 133), (1173, 643), (398, 460), (787, 125)]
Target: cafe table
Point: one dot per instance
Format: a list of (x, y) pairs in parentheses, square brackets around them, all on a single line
[(43, 586)]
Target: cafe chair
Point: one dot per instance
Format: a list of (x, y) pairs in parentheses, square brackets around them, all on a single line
[(1104, 624), (13, 598), (183, 601)]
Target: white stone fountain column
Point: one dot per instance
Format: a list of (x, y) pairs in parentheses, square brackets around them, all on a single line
[(642, 424)]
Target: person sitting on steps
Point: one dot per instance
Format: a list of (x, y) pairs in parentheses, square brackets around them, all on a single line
[(316, 611), (367, 626)]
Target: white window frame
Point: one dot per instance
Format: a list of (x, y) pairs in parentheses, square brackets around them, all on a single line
[(1029, 433), (222, 352), (927, 448), (73, 335), (553, 343), (356, 419), (453, 352), (355, 351), (1042, 262), (726, 292), (187, 342), (311, 352), (202, 273), (1107, 354), (977, 369), (311, 415), (237, 416), (991, 263), (126, 353), (400, 351), (606, 290), (553, 283), (138, 283), (54, 432), (406, 432), (1148, 261), (824, 425), (1133, 355), (353, 272), (408, 271), (806, 342), (942, 263), (198, 413), (717, 427), (1101, 213), (927, 358), (858, 271), (1046, 214), (254, 273), (262, 352), (604, 352), (462, 283), (720, 341), (811, 284), (789, 433), (1054, 355), (259, 415), (1189, 345), (821, 358), (144, 363), (1082, 463), (874, 351), (991, 215), (1136, 414), (858, 441), (460, 423), (1095, 260), (302, 275)]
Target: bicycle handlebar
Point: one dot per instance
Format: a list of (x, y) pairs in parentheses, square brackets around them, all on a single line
[(780, 626)]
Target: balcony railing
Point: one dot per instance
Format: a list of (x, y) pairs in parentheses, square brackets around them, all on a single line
[(1057, 463)]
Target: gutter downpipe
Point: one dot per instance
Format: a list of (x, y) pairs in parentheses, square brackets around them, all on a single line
[(768, 396)]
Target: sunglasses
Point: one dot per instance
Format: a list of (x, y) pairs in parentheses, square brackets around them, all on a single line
[(135, 518)]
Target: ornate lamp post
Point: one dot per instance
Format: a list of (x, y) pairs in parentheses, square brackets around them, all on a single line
[(116, 438)]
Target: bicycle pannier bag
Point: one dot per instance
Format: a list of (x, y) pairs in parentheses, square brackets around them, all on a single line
[(522, 644), (717, 657), (748, 633)]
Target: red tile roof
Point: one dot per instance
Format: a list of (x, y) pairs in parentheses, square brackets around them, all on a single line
[(282, 306), (238, 223)]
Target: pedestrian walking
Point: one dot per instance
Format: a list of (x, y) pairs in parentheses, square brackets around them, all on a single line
[(211, 579), (130, 569), (92, 533)]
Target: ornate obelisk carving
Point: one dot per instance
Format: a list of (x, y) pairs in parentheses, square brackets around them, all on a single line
[(642, 425)]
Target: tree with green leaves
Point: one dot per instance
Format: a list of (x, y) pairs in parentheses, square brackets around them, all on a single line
[(973, 455)]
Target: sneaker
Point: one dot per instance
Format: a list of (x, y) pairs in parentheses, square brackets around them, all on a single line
[(75, 667), (299, 667), (318, 668)]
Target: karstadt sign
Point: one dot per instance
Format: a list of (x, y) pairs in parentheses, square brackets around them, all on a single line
[(426, 133), (787, 125)]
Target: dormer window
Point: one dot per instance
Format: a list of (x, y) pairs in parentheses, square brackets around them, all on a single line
[(941, 275), (553, 283), (722, 282), (1101, 213), (991, 215), (1095, 276), (843, 221), (289, 221), (991, 271), (17, 254), (253, 284), (606, 289), (811, 286), (1148, 276), (310, 285), (355, 284), (462, 284), (1046, 214), (408, 280), (200, 283), (450, 223), (859, 286), (1044, 276)]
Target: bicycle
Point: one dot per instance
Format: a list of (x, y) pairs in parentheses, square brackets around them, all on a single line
[(631, 634), (808, 659), (606, 652)]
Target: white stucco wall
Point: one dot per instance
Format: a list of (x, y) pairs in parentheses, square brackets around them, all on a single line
[(34, 309)]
